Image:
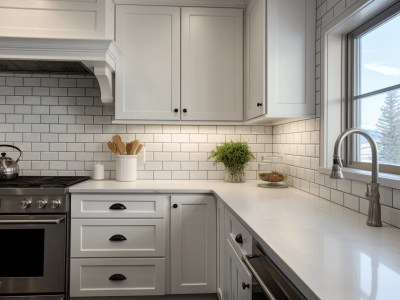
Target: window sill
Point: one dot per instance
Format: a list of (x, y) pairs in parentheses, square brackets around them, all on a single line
[(386, 180)]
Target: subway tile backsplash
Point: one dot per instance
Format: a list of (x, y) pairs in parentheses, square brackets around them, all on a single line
[(61, 126)]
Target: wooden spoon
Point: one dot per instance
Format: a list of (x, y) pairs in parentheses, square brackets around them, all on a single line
[(129, 148), (121, 147), (111, 147), (135, 145), (138, 149), (115, 148), (116, 138)]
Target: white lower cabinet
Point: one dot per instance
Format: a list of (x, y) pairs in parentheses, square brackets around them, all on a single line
[(221, 241), (118, 238), (238, 278), (235, 241), (119, 244), (193, 244), (117, 277)]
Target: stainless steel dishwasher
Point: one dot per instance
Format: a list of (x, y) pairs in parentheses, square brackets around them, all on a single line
[(268, 281)]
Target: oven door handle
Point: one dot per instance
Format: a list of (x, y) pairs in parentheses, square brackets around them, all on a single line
[(258, 278), (17, 221)]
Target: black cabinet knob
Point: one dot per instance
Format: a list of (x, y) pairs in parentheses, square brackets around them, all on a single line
[(117, 238), (176, 110), (259, 104), (239, 239), (117, 206), (185, 110), (117, 277), (244, 286), (175, 206)]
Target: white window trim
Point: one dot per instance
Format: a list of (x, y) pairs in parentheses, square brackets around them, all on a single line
[(333, 70)]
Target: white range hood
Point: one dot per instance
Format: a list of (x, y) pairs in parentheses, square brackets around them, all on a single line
[(99, 56)]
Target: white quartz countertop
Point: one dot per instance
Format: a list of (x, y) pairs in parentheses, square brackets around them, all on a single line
[(328, 251)]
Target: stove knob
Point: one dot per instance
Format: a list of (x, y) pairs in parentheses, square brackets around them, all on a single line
[(25, 204), (55, 203), (41, 203)]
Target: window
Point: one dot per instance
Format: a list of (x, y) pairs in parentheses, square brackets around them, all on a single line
[(374, 90)]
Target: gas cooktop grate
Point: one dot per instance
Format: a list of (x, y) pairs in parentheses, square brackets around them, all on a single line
[(42, 181)]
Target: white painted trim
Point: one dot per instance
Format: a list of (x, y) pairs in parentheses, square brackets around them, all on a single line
[(332, 86)]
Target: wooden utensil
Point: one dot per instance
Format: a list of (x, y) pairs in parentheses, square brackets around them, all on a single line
[(135, 145), (116, 138), (111, 147), (138, 149), (129, 148), (121, 147)]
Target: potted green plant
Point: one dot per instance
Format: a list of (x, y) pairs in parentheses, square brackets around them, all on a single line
[(234, 156)]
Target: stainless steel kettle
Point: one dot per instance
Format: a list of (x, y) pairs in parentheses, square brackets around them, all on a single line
[(9, 168)]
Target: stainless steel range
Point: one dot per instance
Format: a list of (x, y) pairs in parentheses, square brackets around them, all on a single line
[(34, 230)]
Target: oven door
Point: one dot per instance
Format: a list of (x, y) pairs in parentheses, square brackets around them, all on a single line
[(269, 282), (32, 254)]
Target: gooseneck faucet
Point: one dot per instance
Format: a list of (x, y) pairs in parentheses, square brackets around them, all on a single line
[(374, 210)]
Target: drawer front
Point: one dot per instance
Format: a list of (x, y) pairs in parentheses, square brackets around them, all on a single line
[(118, 206), (237, 234), (117, 277), (117, 237)]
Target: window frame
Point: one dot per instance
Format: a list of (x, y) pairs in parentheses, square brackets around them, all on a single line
[(350, 113)]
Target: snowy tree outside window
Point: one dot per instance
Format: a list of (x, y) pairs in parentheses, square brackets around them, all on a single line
[(375, 90)]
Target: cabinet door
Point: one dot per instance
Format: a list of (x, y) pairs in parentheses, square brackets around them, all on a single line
[(255, 58), (148, 76), (212, 64), (280, 54), (221, 250), (238, 278), (291, 57), (193, 244)]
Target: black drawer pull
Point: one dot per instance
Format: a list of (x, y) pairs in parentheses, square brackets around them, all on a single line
[(244, 286), (117, 206), (175, 205), (239, 239), (117, 277), (117, 238)]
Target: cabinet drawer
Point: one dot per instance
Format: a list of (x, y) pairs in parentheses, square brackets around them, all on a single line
[(117, 238), (237, 234), (132, 277), (118, 206)]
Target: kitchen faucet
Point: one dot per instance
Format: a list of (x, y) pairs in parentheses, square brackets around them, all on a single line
[(374, 210)]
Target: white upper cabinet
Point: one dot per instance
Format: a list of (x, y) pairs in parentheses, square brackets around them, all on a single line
[(148, 75), (80, 19), (280, 51), (179, 63), (212, 64)]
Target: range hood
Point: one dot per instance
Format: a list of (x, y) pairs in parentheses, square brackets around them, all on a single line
[(97, 57)]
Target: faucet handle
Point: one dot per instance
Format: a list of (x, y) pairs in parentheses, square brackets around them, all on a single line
[(368, 193)]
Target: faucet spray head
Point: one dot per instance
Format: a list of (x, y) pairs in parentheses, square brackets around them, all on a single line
[(336, 170)]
